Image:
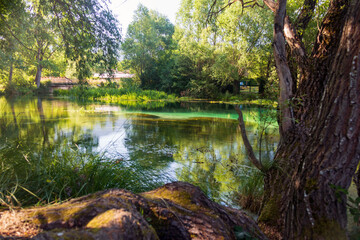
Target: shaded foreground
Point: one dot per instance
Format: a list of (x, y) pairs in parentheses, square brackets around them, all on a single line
[(174, 211)]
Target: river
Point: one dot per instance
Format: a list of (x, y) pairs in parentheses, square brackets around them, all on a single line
[(197, 142)]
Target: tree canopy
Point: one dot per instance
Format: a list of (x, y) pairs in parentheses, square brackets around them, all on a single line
[(148, 46), (85, 32)]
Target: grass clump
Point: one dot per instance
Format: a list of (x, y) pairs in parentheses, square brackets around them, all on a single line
[(55, 174)]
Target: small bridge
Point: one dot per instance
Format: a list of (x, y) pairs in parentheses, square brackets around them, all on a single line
[(59, 83), (67, 83)]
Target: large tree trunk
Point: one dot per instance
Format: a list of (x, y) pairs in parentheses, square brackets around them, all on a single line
[(320, 151)]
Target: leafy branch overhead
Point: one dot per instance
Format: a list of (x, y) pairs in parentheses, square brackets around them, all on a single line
[(244, 4)]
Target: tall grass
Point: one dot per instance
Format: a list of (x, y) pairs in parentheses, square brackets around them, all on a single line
[(53, 174)]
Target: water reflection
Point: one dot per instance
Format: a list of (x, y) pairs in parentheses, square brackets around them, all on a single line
[(194, 142)]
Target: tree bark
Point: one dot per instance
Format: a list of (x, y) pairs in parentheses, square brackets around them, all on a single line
[(11, 73), (283, 70), (38, 76), (236, 87), (39, 58), (322, 150)]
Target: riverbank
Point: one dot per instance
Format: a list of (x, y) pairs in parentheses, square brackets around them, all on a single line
[(119, 95)]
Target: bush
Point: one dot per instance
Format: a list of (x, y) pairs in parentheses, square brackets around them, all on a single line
[(19, 89)]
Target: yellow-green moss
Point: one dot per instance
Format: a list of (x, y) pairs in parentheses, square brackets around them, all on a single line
[(54, 213), (181, 198), (270, 213), (102, 219)]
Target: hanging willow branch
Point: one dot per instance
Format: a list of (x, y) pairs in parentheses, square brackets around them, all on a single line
[(251, 3), (247, 144)]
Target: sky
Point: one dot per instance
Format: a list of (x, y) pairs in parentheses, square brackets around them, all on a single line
[(124, 9)]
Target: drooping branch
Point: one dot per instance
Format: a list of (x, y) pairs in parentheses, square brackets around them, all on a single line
[(244, 4), (14, 35), (247, 144)]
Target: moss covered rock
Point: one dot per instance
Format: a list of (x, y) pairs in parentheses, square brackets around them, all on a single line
[(175, 211)]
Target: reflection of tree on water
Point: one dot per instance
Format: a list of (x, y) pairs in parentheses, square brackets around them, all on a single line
[(150, 142), (209, 151), (204, 151), (226, 169), (54, 170), (42, 121), (13, 114)]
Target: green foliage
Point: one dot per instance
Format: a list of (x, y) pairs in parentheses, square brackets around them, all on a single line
[(114, 95), (19, 88), (56, 176), (148, 47), (353, 204), (221, 50), (91, 41), (37, 35)]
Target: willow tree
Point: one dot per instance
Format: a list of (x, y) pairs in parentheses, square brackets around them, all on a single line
[(86, 31), (319, 121)]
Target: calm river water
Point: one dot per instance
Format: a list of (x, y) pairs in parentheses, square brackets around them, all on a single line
[(198, 142)]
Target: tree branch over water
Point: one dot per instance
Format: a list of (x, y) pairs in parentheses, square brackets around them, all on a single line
[(247, 144)]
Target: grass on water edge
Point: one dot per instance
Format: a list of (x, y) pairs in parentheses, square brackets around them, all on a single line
[(121, 95), (53, 175)]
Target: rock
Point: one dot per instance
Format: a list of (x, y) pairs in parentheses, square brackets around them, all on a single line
[(174, 211)]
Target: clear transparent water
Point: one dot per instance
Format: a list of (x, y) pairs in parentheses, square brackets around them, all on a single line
[(198, 142)]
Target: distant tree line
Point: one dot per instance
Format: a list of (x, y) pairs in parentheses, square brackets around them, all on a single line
[(201, 56), (209, 52)]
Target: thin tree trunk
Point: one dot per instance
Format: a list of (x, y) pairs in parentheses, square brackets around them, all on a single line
[(236, 87), (38, 76), (39, 67), (42, 121), (11, 73)]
